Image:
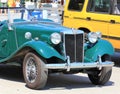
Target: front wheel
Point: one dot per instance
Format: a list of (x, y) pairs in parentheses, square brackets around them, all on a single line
[(100, 77), (35, 74)]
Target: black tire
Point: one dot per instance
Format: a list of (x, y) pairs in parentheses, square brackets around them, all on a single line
[(35, 75), (100, 77)]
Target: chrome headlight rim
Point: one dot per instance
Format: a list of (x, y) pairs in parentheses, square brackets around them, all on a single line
[(28, 35), (94, 36), (99, 34), (55, 38)]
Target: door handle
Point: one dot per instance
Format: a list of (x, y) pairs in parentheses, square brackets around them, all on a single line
[(88, 18), (3, 42), (112, 21)]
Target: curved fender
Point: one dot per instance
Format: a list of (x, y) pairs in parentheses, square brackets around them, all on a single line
[(101, 48), (43, 49)]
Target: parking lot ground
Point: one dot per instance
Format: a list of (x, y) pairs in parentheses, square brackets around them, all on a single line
[(11, 82), (116, 58)]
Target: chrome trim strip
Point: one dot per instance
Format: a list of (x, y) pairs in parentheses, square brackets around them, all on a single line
[(70, 31), (83, 46), (75, 47), (16, 38), (64, 46), (68, 63)]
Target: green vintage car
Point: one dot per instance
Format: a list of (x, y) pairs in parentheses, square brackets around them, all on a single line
[(42, 46)]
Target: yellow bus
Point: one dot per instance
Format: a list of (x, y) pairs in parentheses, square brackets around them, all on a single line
[(95, 15)]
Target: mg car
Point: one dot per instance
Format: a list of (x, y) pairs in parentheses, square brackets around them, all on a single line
[(41, 46)]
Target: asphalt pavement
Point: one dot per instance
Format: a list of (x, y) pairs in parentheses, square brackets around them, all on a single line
[(12, 82), (116, 59)]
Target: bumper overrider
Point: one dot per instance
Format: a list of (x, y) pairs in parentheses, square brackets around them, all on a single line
[(80, 65)]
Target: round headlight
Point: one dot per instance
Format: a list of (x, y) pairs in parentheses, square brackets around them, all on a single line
[(55, 38), (92, 37), (28, 35)]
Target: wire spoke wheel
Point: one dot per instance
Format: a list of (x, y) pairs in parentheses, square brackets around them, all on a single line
[(31, 70), (34, 71)]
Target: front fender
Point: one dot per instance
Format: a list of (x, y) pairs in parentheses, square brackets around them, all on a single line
[(43, 49), (101, 48)]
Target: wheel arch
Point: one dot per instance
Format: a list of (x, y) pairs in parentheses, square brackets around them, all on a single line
[(42, 49), (85, 29), (98, 49)]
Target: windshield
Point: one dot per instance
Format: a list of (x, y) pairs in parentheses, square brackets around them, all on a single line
[(19, 14)]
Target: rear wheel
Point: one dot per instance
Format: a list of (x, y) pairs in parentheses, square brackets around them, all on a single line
[(100, 77), (35, 74)]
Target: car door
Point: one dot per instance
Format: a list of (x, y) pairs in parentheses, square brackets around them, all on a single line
[(7, 40), (114, 25), (4, 47), (97, 15)]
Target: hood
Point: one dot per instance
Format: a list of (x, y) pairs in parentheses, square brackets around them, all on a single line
[(39, 30), (42, 26)]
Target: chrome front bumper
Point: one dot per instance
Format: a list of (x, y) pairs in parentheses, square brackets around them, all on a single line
[(80, 65)]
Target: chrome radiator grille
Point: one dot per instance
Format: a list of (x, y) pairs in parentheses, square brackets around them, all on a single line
[(74, 47)]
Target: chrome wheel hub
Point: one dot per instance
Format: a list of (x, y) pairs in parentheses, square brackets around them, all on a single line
[(31, 70)]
